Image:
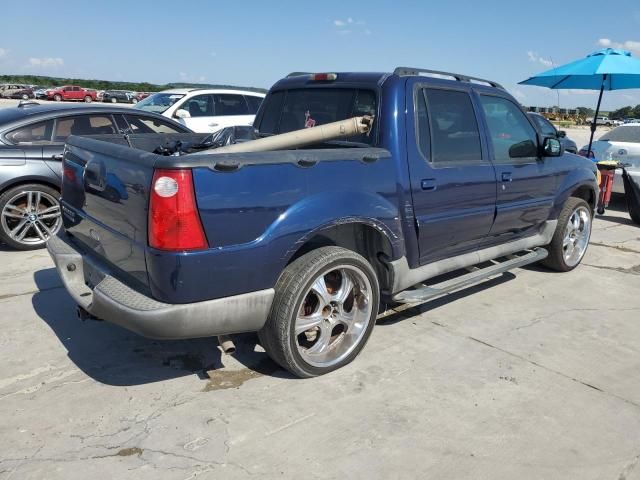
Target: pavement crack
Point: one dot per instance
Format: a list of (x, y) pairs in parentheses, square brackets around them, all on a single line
[(615, 247), (540, 318), (635, 270), (32, 292), (628, 468)]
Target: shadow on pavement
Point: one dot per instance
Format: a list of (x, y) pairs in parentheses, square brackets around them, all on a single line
[(114, 356)]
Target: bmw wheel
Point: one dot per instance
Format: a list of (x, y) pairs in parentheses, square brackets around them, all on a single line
[(29, 216)]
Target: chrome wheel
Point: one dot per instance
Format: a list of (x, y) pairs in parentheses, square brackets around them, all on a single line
[(31, 217), (333, 316), (576, 236)]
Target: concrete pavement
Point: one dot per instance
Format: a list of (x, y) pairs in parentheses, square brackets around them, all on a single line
[(531, 375)]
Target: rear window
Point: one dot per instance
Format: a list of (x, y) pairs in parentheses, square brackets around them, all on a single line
[(625, 133), (290, 110)]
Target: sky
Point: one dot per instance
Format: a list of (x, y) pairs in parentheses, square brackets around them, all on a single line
[(254, 43)]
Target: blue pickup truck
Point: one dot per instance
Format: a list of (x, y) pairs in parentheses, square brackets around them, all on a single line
[(452, 184)]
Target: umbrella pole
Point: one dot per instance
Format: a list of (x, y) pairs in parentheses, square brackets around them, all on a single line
[(595, 116)]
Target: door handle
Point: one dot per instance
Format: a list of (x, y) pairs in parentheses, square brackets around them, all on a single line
[(506, 177), (428, 184), (213, 124)]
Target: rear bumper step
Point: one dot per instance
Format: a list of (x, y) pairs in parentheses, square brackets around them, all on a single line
[(113, 301), (428, 292)]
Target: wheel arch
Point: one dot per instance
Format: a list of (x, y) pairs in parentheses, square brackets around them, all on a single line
[(29, 179)]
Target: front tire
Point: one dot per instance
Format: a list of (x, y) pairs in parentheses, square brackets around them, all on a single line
[(29, 216), (25, 96), (57, 98), (114, 100), (88, 99), (323, 312), (571, 238)]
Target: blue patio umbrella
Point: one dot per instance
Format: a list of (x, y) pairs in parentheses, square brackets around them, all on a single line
[(607, 69)]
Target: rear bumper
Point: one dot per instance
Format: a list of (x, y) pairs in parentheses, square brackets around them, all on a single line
[(107, 298)]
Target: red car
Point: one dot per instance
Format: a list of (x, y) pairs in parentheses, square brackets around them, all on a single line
[(71, 92)]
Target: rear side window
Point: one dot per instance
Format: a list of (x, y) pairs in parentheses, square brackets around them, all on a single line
[(35, 134), (304, 108), (228, 104), (253, 102), (150, 125), (83, 125), (447, 119), (199, 106)]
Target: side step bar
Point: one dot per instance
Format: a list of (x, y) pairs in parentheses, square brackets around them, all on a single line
[(475, 275)]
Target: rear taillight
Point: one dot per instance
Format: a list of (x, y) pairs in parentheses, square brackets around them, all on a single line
[(323, 77), (174, 223), (69, 173)]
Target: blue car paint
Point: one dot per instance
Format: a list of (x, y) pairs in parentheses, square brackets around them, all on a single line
[(256, 217)]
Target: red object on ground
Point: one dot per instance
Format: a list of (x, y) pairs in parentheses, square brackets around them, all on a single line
[(607, 173)]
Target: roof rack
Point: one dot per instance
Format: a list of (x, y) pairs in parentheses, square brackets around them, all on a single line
[(409, 71), (298, 74)]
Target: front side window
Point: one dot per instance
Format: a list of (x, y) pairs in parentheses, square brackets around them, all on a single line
[(447, 119), (150, 125), (199, 106), (512, 136), (83, 125), (545, 126), (227, 105), (35, 134)]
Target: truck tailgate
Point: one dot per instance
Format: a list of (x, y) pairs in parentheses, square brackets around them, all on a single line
[(105, 201)]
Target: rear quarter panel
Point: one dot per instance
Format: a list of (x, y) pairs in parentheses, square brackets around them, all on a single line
[(256, 218)]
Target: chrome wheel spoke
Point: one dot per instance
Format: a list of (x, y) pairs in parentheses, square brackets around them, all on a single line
[(346, 287), (319, 287), (40, 232), (576, 237), (323, 341), (304, 323), (14, 211), (54, 209), (31, 217), (40, 224)]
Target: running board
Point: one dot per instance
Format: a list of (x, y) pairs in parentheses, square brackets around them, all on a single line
[(428, 292)]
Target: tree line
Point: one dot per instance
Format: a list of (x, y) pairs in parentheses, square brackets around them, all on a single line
[(625, 112), (108, 84)]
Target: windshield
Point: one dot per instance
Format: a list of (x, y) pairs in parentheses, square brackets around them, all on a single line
[(625, 133), (158, 102), (285, 111)]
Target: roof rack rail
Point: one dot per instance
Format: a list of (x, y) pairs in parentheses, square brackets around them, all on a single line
[(407, 71), (298, 74)]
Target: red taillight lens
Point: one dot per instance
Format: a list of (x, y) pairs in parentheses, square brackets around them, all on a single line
[(69, 173), (323, 76), (174, 223)]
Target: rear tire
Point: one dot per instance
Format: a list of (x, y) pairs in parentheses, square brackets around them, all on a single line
[(25, 96), (88, 99), (335, 294), (114, 100), (134, 100), (571, 238)]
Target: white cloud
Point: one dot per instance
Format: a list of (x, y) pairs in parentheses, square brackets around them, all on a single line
[(534, 57), (351, 25), (3, 52), (202, 78), (46, 62), (631, 45)]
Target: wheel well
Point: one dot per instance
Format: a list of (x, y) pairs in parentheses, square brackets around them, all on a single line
[(363, 239), (27, 182), (585, 193)]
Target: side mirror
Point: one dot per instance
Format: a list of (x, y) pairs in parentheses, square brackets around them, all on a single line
[(552, 147), (523, 149), (182, 113), (562, 134)]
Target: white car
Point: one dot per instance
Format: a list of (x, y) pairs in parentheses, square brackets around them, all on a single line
[(621, 144), (205, 110)]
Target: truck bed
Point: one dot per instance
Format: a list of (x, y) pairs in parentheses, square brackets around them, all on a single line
[(254, 209)]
